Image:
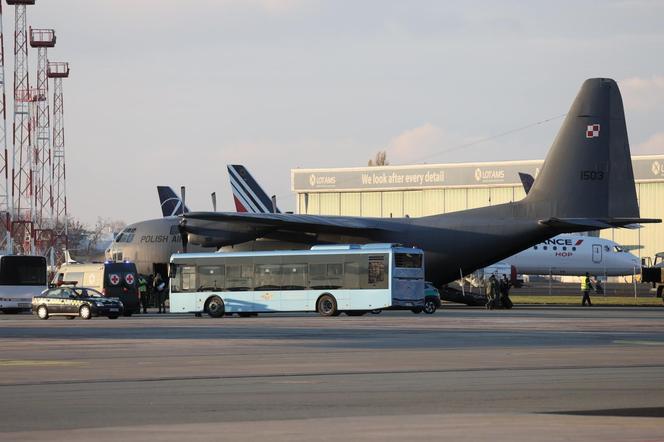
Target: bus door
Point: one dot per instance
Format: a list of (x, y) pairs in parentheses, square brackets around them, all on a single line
[(597, 253)]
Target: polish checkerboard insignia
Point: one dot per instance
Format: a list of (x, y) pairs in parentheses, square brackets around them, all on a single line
[(592, 131)]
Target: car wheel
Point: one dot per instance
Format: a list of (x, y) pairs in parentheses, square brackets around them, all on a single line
[(215, 307), (42, 312), (85, 312), (327, 306), (113, 317), (430, 307), (417, 310)]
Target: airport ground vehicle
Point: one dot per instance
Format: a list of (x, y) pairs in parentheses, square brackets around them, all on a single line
[(113, 279), (75, 301), (653, 272), (21, 279), (327, 279)]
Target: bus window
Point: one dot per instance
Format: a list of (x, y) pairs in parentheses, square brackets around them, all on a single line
[(294, 276), (376, 273), (239, 277), (352, 275), (23, 270), (267, 277), (210, 278), (408, 260), (183, 278), (326, 276)]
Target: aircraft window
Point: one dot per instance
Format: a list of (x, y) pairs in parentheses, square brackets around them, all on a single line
[(564, 248), (545, 247), (535, 247), (555, 248), (573, 249), (607, 249)]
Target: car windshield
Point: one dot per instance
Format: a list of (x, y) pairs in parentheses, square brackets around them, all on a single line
[(87, 293)]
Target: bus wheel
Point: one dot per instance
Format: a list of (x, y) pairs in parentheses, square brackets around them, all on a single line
[(376, 312), (417, 310), (327, 306), (85, 312), (42, 312), (356, 312), (215, 307), (430, 307)]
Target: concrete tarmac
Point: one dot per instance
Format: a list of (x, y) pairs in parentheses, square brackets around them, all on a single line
[(463, 374)]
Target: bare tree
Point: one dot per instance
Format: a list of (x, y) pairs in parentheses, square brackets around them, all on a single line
[(380, 159)]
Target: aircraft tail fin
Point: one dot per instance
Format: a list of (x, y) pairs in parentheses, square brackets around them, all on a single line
[(588, 173), (527, 181), (171, 203), (248, 195)]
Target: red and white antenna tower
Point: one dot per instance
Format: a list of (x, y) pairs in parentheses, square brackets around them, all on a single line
[(22, 162), (5, 191), (58, 71), (42, 39)]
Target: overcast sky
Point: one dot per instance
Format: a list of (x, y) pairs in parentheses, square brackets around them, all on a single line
[(169, 92)]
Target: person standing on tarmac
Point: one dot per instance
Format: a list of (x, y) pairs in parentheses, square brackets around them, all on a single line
[(158, 286), (586, 286), (505, 300), (143, 292), (492, 292)]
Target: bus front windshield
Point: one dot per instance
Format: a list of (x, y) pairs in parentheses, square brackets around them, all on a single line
[(23, 270)]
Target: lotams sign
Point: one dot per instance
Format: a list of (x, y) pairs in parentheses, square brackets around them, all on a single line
[(648, 168)]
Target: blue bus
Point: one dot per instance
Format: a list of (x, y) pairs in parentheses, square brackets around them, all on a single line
[(329, 279)]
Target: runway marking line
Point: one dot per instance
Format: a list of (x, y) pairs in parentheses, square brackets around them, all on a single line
[(622, 341), (35, 363)]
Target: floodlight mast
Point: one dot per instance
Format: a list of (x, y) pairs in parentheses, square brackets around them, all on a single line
[(23, 216), (59, 71), (42, 40), (5, 191)]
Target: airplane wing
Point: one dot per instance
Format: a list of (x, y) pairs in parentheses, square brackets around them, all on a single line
[(302, 223)]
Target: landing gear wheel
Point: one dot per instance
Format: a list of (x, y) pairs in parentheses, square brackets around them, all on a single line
[(327, 306), (417, 310), (215, 307), (42, 312), (85, 312), (430, 307)]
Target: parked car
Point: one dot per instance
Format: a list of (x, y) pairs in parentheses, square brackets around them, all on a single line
[(113, 279), (431, 298), (75, 301)]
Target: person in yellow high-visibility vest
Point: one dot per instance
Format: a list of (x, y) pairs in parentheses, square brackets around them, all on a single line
[(586, 286)]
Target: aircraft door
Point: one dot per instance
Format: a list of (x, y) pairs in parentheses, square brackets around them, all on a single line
[(597, 253)]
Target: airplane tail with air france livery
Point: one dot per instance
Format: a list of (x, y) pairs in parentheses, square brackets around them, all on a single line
[(248, 195)]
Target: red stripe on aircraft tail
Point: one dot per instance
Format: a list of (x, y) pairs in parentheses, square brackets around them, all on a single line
[(238, 206)]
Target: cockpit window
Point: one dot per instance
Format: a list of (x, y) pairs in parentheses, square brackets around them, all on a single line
[(618, 249), (127, 235)]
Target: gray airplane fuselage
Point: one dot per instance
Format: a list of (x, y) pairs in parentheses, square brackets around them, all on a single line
[(152, 242)]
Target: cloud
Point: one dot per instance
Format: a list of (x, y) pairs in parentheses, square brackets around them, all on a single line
[(643, 94), (413, 144), (653, 145)]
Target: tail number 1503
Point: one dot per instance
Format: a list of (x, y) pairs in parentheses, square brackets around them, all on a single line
[(592, 175)]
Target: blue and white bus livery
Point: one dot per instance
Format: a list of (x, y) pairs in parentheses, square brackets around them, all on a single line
[(326, 279)]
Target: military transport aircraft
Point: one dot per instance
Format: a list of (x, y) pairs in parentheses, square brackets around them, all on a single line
[(586, 183)]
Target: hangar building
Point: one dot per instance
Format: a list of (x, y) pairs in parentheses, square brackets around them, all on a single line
[(429, 189)]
